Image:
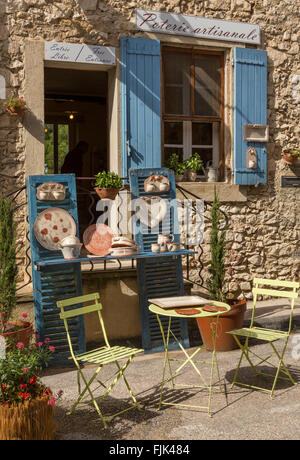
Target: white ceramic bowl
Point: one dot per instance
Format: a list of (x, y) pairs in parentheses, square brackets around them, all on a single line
[(70, 240)]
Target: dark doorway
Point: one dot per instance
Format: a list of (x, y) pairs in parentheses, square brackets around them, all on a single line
[(76, 110)]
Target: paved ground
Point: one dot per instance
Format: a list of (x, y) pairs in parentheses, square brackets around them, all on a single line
[(239, 414)]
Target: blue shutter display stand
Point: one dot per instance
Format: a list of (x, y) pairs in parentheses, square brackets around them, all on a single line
[(250, 107), (140, 103), (55, 282), (158, 276)]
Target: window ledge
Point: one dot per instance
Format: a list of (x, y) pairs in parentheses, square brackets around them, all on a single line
[(206, 190)]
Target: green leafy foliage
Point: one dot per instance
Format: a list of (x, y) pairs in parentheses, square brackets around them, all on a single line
[(216, 269), (17, 103), (174, 164), (107, 179), (8, 267), (194, 162), (63, 145)]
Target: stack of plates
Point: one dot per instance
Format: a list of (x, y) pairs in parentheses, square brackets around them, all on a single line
[(122, 246)]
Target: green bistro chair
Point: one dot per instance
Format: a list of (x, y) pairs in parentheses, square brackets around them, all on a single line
[(100, 356), (288, 290)]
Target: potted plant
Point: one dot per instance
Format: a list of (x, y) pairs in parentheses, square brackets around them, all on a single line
[(107, 185), (16, 106), (26, 404), (290, 156), (216, 283), (17, 330), (176, 166), (193, 165)]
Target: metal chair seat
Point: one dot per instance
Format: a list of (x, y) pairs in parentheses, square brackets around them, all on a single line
[(260, 333), (106, 355)]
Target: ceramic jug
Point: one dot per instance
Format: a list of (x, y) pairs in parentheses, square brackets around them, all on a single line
[(211, 173)]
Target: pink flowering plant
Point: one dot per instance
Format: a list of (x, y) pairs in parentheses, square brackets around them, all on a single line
[(20, 373), (16, 103)]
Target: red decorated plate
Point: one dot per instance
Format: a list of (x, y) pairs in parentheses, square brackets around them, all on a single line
[(53, 225), (187, 311), (213, 308), (97, 239)]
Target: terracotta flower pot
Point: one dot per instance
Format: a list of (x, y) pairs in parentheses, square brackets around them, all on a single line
[(191, 175), (234, 319), (289, 159), (107, 193), (15, 111), (22, 334), (31, 420)]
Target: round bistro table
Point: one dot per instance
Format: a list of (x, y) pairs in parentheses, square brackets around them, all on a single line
[(172, 313)]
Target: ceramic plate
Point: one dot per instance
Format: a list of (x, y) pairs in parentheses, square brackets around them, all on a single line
[(53, 225), (97, 239), (187, 311)]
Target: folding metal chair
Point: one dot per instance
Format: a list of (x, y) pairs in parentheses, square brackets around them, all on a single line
[(268, 335), (101, 356)]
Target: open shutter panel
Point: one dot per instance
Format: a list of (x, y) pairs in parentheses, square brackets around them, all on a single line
[(250, 107), (159, 276), (140, 96), (55, 282)]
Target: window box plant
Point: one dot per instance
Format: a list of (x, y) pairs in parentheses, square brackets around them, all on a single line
[(107, 185), (216, 283), (176, 166), (26, 404), (193, 165), (16, 330), (290, 156), (16, 106)]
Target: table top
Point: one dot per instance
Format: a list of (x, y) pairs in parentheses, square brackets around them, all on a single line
[(202, 313), (92, 258)]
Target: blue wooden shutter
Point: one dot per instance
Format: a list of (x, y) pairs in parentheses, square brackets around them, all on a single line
[(159, 276), (55, 282), (250, 107), (140, 99)]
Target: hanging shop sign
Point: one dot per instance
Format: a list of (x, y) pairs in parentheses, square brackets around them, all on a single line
[(78, 52), (198, 27)]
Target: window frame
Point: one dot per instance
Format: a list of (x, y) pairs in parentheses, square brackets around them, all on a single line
[(195, 118)]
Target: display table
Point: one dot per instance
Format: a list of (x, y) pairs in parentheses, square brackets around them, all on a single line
[(172, 313), (141, 255)]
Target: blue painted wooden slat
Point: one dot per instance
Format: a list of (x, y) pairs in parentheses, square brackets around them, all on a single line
[(250, 107), (58, 281), (158, 276), (140, 103)]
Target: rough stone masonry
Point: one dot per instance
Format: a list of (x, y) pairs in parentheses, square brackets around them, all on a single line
[(263, 232)]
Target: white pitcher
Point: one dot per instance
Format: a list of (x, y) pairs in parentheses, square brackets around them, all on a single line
[(211, 173)]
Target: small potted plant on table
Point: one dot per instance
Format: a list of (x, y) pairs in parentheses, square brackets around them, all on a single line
[(107, 185), (192, 166), (176, 166), (16, 106), (290, 156), (235, 317)]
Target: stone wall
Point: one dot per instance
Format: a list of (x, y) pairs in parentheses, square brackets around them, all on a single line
[(264, 231)]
